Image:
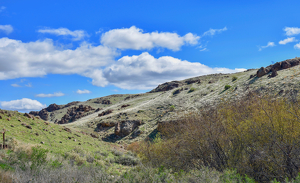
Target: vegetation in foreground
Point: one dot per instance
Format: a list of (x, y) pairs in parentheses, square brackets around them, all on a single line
[(255, 139), (259, 137)]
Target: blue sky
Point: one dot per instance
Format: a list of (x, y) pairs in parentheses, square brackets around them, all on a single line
[(64, 51)]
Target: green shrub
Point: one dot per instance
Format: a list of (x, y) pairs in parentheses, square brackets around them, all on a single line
[(172, 108), (191, 90), (256, 136), (234, 78), (227, 87)]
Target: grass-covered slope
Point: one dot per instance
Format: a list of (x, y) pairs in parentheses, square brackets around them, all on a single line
[(173, 99)]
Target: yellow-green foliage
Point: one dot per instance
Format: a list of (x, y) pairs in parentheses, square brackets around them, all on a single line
[(258, 136)]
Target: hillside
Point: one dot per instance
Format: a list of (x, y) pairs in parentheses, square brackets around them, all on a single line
[(125, 118)]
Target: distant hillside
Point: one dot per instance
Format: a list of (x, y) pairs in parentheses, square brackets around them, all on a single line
[(132, 117)]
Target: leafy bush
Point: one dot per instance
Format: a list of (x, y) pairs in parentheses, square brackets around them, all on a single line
[(127, 160), (191, 90), (234, 78), (227, 87), (257, 136), (172, 108)]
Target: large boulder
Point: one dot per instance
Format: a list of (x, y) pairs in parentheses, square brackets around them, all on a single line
[(276, 66), (285, 65), (124, 128), (261, 72)]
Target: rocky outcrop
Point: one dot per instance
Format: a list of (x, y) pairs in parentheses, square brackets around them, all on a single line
[(167, 86), (108, 111), (278, 66), (261, 72), (103, 101), (71, 103), (42, 114), (190, 81), (75, 113), (53, 107), (124, 128)]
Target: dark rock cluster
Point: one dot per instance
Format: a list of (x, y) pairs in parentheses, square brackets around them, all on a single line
[(108, 111), (277, 66), (103, 101), (167, 86), (75, 113)]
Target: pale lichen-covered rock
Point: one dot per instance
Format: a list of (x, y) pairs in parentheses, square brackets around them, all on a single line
[(124, 128)]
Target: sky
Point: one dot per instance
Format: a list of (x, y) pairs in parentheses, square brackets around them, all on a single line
[(63, 51)]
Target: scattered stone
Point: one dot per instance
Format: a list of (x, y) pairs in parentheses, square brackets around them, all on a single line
[(46, 123), (28, 126), (93, 135), (74, 140), (19, 120), (8, 119), (67, 129), (28, 115), (37, 134), (1, 117), (60, 141), (42, 142), (252, 76), (12, 125), (77, 135), (79, 143)]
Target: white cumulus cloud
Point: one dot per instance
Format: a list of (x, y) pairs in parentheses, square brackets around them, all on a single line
[(297, 46), (39, 58), (15, 85), (270, 44), (135, 38), (146, 72), (290, 31), (24, 104), (82, 91), (6, 29), (212, 32), (288, 40), (56, 94), (77, 34)]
